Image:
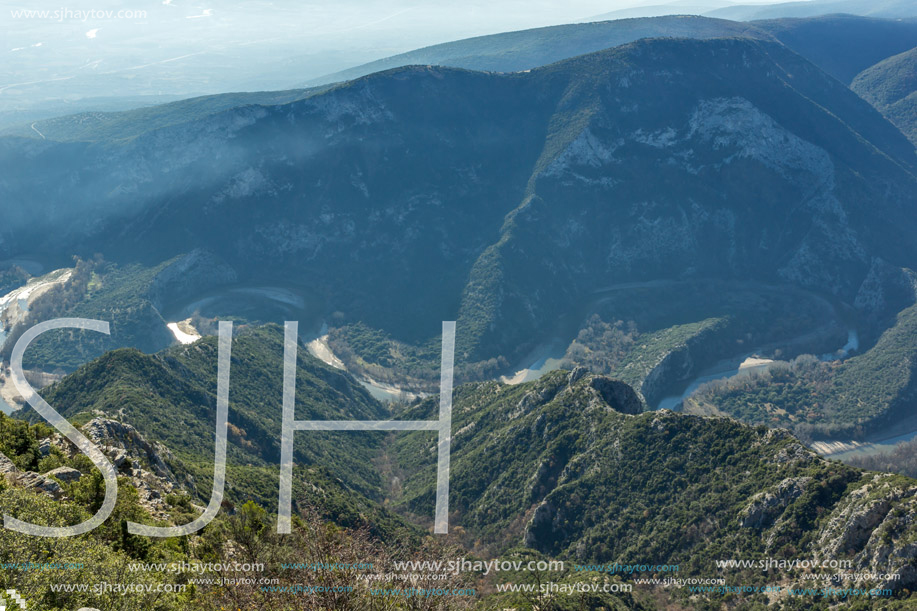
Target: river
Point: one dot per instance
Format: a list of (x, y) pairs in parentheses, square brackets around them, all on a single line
[(744, 365), (545, 358), (14, 307)]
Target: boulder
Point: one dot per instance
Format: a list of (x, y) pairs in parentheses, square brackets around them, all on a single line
[(65, 474), (39, 483)]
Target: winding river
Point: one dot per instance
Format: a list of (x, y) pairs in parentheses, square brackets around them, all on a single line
[(543, 359), (745, 365)]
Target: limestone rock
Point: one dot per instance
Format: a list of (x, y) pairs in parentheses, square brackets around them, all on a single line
[(65, 474), (767, 506)]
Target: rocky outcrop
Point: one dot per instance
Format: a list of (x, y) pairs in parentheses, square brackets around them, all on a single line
[(29, 479), (874, 526), (65, 474), (6, 465), (605, 392), (886, 290), (543, 525), (535, 398), (132, 455), (854, 522), (121, 440), (683, 363), (793, 452), (767, 506), (38, 482), (888, 553)]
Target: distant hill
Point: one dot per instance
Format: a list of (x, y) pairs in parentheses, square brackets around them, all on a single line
[(678, 7), (91, 126), (842, 45), (891, 9), (891, 86), (526, 49), (738, 11)]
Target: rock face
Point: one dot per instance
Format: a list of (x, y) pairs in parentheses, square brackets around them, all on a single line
[(6, 465), (858, 518), (121, 440), (605, 392), (133, 456), (872, 525), (544, 523), (618, 395), (683, 363)]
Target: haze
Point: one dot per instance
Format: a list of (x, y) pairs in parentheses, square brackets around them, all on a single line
[(57, 56)]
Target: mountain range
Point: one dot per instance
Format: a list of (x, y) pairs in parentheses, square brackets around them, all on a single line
[(424, 194)]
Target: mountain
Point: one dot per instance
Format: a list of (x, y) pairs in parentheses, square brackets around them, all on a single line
[(527, 49), (596, 159), (843, 45), (45, 480), (423, 194), (891, 86), (170, 398), (572, 472), (891, 9)]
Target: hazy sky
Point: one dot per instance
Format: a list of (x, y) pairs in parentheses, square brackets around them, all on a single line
[(66, 50)]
